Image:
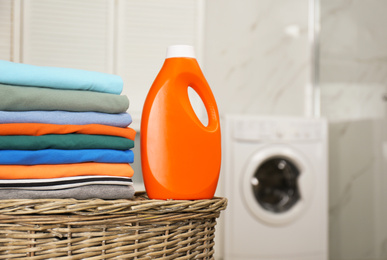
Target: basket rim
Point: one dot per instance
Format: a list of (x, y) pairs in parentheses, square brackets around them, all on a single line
[(94, 207)]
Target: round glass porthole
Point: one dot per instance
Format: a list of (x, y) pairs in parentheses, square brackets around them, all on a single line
[(275, 184)]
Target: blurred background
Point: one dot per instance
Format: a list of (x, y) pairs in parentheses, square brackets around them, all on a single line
[(307, 58)]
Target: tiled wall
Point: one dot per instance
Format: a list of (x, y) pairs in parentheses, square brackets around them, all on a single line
[(353, 81), (257, 56)]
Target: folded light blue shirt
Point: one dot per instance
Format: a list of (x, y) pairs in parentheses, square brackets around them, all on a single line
[(65, 118), (56, 156), (12, 73)]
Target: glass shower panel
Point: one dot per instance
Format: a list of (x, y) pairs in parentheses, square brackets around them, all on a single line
[(353, 86)]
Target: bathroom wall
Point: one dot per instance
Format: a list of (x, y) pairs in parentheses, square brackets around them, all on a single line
[(353, 82), (5, 30), (257, 56)]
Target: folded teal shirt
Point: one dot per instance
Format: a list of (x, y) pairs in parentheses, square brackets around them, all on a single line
[(19, 98), (60, 78), (64, 142), (55, 156), (65, 118)]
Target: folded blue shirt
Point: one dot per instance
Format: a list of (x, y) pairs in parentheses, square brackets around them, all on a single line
[(65, 118), (55, 156), (61, 78)]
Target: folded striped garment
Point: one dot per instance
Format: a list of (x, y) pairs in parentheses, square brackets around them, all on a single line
[(65, 118), (64, 142), (55, 156), (44, 171), (19, 98), (64, 183), (107, 192), (59, 78), (38, 129)]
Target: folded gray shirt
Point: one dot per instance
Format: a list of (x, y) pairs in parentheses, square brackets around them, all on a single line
[(83, 192), (19, 98)]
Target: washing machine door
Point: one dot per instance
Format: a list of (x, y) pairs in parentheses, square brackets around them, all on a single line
[(277, 184)]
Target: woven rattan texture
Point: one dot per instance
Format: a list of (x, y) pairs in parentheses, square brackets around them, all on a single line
[(108, 229)]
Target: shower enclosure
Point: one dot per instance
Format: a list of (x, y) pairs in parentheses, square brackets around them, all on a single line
[(351, 79)]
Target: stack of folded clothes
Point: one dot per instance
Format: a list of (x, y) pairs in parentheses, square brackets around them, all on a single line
[(64, 133)]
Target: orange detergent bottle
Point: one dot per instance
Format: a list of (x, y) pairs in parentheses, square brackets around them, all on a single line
[(180, 157)]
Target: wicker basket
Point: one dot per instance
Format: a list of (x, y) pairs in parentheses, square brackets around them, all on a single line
[(108, 229)]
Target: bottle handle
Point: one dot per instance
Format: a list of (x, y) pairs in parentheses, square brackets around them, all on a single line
[(204, 91)]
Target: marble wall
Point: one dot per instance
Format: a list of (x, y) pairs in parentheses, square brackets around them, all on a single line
[(257, 56), (353, 82)]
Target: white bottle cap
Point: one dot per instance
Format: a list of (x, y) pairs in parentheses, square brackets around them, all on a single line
[(174, 51)]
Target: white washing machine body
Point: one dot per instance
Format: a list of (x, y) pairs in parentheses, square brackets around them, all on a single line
[(275, 179)]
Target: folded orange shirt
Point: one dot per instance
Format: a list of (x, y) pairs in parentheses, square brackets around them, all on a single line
[(37, 129), (45, 171)]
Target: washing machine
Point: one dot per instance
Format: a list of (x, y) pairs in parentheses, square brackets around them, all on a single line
[(275, 179)]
